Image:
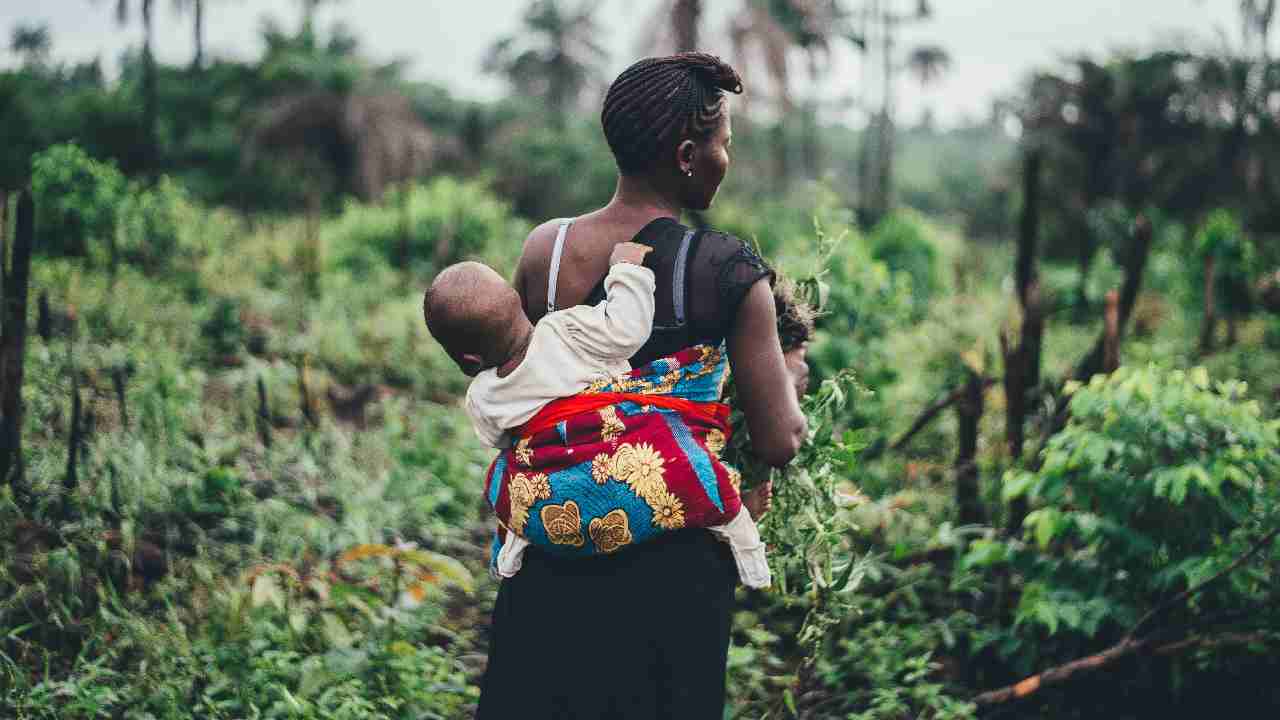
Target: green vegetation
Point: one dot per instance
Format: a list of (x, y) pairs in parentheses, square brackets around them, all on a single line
[(248, 491)]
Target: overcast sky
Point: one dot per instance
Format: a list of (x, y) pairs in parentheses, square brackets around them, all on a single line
[(994, 44)]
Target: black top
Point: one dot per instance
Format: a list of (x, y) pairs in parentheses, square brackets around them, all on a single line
[(719, 270)]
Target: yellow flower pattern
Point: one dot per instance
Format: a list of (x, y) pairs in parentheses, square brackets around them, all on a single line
[(524, 455), (735, 478), (715, 442), (564, 524), (600, 468), (611, 426), (611, 531), (639, 466), (668, 511), (524, 491), (709, 359)]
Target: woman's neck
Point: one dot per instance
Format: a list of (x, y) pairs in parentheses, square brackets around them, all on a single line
[(638, 196)]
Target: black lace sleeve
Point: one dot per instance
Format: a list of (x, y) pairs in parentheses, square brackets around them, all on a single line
[(723, 269)]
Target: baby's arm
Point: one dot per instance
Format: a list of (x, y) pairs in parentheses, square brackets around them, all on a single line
[(618, 326)]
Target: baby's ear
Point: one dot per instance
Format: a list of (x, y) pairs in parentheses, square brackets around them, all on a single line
[(471, 364)]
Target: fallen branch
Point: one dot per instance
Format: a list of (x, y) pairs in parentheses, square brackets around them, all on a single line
[(1126, 647), (1164, 607), (934, 410), (1129, 645)]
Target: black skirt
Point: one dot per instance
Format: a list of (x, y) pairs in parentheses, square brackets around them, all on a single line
[(640, 634)]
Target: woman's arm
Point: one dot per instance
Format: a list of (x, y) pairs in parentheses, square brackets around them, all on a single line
[(766, 386)]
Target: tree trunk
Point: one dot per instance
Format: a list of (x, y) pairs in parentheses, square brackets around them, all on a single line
[(884, 181), (969, 410), (311, 244), (1022, 364), (71, 481), (198, 61), (149, 102), (44, 317), (13, 344), (118, 380), (781, 166), (1210, 311), (4, 242), (309, 418), (1084, 262), (1111, 333), (1029, 225), (1135, 265), (264, 415), (685, 18)]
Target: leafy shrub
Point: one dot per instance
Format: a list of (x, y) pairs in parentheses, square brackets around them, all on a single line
[(151, 222), (76, 199), (900, 242), (1153, 486), (1222, 239), (428, 226), (222, 329), (864, 301)]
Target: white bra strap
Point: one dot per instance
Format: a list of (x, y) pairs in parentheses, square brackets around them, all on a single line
[(555, 264)]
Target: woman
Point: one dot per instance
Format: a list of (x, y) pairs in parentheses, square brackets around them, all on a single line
[(644, 632)]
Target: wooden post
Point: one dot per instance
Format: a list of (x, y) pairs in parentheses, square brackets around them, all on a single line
[(404, 193), (1111, 333), (4, 241), (118, 380), (71, 481), (44, 318), (969, 410), (1210, 309), (264, 415), (1135, 265), (13, 343), (304, 393), (311, 245)]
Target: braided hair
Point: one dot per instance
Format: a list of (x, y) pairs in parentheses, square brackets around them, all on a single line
[(657, 102)]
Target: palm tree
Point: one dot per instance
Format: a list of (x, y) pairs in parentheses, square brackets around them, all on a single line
[(31, 42), (149, 102), (674, 26), (685, 15), (876, 159), (928, 63), (1256, 17), (555, 56), (197, 8)]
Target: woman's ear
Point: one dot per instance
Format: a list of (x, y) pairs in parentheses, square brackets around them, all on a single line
[(684, 157)]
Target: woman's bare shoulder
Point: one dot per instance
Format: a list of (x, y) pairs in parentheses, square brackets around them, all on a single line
[(535, 261), (536, 253)]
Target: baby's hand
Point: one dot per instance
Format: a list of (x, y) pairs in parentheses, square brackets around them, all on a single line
[(629, 252)]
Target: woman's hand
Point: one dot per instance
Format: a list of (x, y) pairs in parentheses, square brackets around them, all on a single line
[(798, 366)]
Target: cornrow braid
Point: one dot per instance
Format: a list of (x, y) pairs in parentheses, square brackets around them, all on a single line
[(657, 102)]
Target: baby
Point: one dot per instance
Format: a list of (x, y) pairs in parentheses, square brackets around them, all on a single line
[(519, 368)]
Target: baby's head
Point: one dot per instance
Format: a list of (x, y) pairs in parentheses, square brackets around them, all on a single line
[(475, 315)]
